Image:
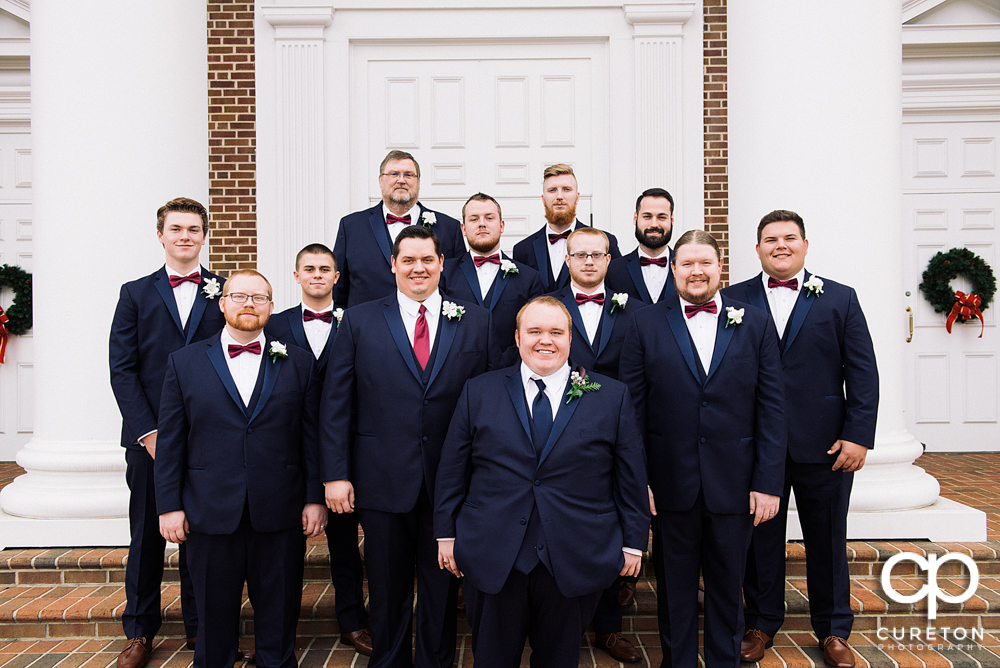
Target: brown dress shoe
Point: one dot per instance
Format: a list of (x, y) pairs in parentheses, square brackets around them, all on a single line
[(626, 595), (617, 646), (135, 654), (837, 653), (754, 643), (361, 640)]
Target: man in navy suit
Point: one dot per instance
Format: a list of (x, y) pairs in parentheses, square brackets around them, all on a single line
[(364, 239), (705, 375), (155, 316), (312, 326), (539, 496), (644, 274), (831, 395), (544, 250), (237, 475), (486, 276), (395, 373)]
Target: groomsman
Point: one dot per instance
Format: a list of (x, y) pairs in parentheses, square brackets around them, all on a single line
[(312, 326), (831, 395), (539, 498), (544, 250), (704, 372), (644, 274), (155, 316), (396, 370), (237, 475), (364, 240), (487, 276)]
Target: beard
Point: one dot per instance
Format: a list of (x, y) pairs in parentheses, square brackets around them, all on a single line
[(560, 220), (656, 241), (236, 321), (483, 246), (399, 197)]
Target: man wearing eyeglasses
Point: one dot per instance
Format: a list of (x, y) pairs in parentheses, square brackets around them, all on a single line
[(364, 240), (237, 474)]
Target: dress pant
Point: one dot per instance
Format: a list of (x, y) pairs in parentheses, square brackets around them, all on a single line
[(346, 571), (822, 497), (608, 617), (144, 569)]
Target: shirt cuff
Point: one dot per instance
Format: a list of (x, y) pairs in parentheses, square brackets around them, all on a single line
[(139, 440), (632, 550), (441, 539)]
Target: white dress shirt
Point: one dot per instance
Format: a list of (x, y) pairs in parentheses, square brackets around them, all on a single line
[(245, 367), (396, 228), (703, 327), (184, 295), (590, 312), (486, 274), (555, 383), (410, 310), (317, 331), (654, 277), (557, 252), (781, 301)]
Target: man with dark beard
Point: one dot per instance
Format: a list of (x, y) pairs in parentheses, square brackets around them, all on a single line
[(644, 274), (545, 250)]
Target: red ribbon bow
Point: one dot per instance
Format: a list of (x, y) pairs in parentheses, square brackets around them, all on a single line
[(4, 335), (966, 307)]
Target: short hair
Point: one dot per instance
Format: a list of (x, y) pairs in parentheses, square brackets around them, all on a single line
[(399, 155), (183, 205), (481, 197), (545, 299), (557, 169), (245, 272), (700, 237), (416, 232), (655, 192), (589, 231), (316, 249), (781, 216)]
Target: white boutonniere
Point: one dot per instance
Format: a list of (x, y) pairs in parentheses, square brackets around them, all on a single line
[(814, 286), (578, 384), (508, 268), (734, 316), (452, 310), (338, 313), (618, 300), (278, 349), (428, 218), (211, 288)]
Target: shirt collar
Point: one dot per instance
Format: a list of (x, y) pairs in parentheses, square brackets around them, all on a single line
[(172, 272), (413, 213), (717, 299), (665, 253), (412, 308), (303, 308), (799, 277), (557, 379), (227, 339), (599, 290)]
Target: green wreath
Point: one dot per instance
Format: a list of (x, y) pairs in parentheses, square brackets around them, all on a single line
[(937, 289), (19, 313)]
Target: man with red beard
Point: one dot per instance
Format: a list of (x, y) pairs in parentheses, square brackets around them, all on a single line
[(237, 475), (545, 250)]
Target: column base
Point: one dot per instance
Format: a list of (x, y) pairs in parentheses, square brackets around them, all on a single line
[(27, 533), (944, 521)]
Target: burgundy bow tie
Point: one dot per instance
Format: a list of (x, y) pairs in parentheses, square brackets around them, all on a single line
[(583, 299), (190, 278), (791, 283), (235, 350), (390, 219), (480, 260), (325, 316), (707, 307), (658, 261), (556, 237)]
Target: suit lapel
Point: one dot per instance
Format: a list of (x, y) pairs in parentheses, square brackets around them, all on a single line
[(516, 392), (799, 313), (395, 322), (756, 296), (574, 311), (167, 294), (468, 267), (449, 328), (298, 330), (635, 271), (558, 426), (377, 223), (675, 318), (542, 259), (723, 335), (271, 371), (218, 359), (499, 284), (197, 309), (608, 322)]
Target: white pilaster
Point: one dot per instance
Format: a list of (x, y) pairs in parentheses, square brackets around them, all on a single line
[(119, 126), (815, 127)]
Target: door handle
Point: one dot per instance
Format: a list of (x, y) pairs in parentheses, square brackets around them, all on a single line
[(909, 312)]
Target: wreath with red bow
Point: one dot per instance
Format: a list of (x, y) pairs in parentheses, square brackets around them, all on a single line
[(959, 306)]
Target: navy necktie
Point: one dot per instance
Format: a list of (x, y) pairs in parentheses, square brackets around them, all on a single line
[(541, 416)]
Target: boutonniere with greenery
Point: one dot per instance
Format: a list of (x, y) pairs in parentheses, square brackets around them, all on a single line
[(814, 286), (339, 315), (508, 268), (452, 311), (578, 384), (211, 288), (734, 316), (278, 349), (428, 218), (618, 300)]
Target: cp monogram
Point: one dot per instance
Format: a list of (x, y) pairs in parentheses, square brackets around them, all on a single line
[(931, 591)]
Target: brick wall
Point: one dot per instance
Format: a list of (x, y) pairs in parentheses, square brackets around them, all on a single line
[(716, 115), (232, 137)]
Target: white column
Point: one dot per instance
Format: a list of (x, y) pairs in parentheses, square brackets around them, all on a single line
[(119, 126), (815, 126)]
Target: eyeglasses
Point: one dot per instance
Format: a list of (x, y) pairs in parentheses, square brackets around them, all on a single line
[(582, 257), (240, 298), (409, 176)]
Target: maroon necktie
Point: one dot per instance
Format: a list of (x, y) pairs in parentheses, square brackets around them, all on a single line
[(707, 307), (390, 219), (791, 283), (583, 299), (422, 339), (480, 260), (556, 237), (190, 278), (235, 350), (658, 261), (325, 316)]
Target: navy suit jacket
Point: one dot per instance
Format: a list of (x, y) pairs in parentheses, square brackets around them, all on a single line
[(146, 328), (287, 326), (364, 253), (588, 484), (604, 355), (394, 443), (510, 293), (826, 348), (533, 250), (212, 458), (725, 435), (625, 275)]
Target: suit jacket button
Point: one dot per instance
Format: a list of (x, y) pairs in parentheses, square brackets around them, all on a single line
[(426, 402), (249, 430), (702, 439), (523, 522), (537, 483), (704, 403), (424, 439)]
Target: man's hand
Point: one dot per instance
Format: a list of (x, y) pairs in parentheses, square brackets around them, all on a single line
[(149, 442), (446, 557), (652, 504), (632, 563), (851, 458), (340, 496), (174, 526), (763, 506), (313, 519)]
